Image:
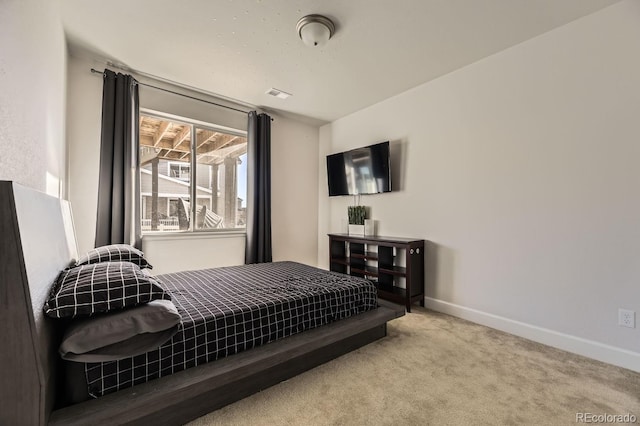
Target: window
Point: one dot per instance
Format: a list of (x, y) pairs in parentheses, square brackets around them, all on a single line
[(180, 171), (176, 167)]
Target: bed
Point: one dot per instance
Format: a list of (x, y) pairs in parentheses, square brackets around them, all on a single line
[(36, 242)]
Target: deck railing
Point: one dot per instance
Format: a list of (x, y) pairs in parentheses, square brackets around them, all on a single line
[(168, 224)]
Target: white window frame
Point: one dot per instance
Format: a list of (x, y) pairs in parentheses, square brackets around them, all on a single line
[(180, 166), (223, 233)]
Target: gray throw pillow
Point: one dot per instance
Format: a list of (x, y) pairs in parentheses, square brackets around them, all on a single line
[(120, 334)]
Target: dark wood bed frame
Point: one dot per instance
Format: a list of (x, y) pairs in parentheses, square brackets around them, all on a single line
[(37, 240)]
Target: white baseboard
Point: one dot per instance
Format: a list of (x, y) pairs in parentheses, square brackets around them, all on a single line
[(588, 348)]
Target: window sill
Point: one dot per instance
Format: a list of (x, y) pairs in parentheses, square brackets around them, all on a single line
[(196, 235)]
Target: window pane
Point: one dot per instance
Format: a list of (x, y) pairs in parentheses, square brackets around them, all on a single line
[(221, 180), (165, 174)]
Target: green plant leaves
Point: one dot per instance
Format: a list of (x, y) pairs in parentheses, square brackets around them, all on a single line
[(357, 215)]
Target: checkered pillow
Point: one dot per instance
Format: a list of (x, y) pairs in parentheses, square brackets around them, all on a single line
[(114, 253), (102, 287)]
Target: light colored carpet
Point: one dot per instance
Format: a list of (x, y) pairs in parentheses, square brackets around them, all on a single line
[(434, 369)]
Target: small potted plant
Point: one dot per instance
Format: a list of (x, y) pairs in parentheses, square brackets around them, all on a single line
[(357, 215)]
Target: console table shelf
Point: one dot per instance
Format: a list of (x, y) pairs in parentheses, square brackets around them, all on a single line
[(353, 254), (370, 255)]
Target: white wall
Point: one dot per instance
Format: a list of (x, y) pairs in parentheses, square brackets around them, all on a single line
[(294, 194), (294, 164), (172, 253), (84, 109), (32, 95), (522, 170)]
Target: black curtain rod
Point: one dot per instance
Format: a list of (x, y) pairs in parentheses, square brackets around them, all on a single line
[(179, 94)]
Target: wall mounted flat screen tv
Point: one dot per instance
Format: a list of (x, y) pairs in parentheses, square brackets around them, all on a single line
[(365, 170)]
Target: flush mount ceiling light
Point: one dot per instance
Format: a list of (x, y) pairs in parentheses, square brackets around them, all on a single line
[(315, 30)]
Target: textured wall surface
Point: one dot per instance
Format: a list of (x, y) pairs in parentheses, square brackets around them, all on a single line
[(32, 95)]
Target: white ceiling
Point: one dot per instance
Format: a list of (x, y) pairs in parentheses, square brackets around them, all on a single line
[(241, 48)]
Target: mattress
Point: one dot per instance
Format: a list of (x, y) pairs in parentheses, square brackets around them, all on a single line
[(232, 309)]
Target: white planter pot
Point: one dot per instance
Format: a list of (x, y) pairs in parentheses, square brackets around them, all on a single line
[(356, 229), (369, 227)]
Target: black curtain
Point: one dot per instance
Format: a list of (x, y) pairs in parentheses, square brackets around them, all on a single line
[(258, 249), (118, 204)]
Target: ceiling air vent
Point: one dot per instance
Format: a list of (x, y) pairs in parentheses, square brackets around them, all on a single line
[(278, 93)]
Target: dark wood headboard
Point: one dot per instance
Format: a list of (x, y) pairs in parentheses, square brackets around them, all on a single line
[(36, 242)]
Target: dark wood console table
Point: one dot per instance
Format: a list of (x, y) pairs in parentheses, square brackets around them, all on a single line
[(380, 259)]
